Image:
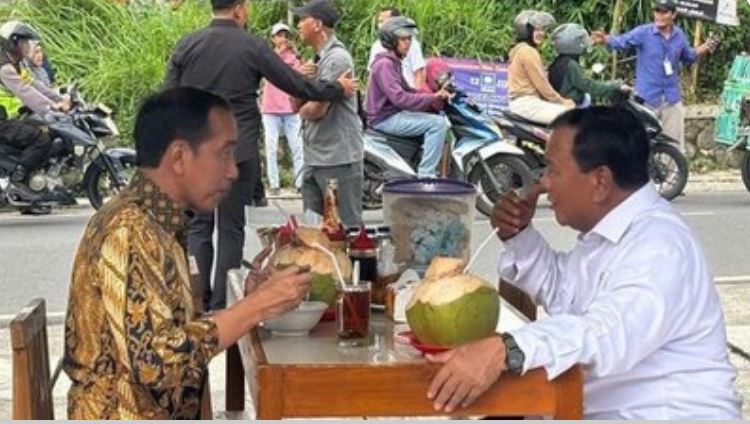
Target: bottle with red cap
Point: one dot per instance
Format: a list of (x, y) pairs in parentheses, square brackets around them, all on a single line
[(364, 249)]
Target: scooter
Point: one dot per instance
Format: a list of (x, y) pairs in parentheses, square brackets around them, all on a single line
[(477, 153), (668, 167)]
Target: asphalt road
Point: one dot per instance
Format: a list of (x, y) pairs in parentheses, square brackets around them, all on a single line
[(36, 253)]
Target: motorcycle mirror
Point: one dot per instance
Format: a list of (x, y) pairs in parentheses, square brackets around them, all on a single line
[(597, 68)]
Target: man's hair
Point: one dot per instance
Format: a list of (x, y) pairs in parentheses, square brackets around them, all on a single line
[(609, 136), (218, 5), (392, 9), (176, 113)]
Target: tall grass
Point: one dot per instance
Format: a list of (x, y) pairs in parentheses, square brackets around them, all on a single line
[(119, 54)]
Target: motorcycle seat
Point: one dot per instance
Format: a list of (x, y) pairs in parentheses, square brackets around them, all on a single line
[(380, 134), (520, 119)]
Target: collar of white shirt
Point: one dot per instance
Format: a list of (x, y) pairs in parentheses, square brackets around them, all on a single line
[(613, 226)]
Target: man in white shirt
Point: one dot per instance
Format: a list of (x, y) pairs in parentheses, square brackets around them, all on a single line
[(633, 302), (413, 65)]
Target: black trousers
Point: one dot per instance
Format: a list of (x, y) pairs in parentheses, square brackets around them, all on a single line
[(33, 143), (231, 237)]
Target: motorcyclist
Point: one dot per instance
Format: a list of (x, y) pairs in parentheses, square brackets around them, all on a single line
[(531, 95), (31, 139), (394, 107), (566, 75)]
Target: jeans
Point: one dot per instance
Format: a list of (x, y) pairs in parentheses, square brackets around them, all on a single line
[(290, 124), (434, 127)]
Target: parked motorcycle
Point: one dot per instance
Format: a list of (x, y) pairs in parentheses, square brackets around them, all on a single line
[(668, 167), (477, 153), (79, 160)]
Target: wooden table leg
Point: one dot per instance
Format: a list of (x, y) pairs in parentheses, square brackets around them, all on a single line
[(235, 380), (570, 395), (270, 393)]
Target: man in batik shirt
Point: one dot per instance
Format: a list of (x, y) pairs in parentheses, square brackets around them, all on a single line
[(134, 346)]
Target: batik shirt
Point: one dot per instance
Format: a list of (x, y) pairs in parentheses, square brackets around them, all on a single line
[(134, 348)]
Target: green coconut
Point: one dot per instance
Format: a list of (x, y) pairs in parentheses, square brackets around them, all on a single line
[(323, 286), (452, 308)]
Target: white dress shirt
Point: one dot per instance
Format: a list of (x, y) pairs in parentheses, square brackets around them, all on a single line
[(413, 61), (634, 303)]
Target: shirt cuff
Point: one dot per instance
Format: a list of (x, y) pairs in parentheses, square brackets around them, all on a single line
[(511, 264)]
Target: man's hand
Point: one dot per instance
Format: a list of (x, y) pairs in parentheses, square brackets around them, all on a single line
[(63, 106), (282, 291), (512, 214), (444, 94), (626, 89), (599, 37), (467, 372), (568, 103), (349, 83), (308, 69), (258, 275)]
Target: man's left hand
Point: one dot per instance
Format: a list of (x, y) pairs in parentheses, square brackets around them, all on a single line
[(467, 372)]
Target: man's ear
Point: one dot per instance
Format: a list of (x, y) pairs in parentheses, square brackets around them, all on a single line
[(177, 157), (603, 183)]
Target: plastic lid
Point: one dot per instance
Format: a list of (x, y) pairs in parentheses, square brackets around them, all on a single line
[(430, 186)]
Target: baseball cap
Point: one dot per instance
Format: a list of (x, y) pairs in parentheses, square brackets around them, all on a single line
[(669, 5), (319, 9), (280, 26)]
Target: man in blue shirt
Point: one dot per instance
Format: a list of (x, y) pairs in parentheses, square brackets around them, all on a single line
[(661, 48)]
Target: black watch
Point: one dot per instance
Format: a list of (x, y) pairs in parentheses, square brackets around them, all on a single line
[(514, 357)]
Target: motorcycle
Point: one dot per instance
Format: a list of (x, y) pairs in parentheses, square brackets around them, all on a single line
[(79, 160), (668, 167), (476, 153), (744, 141)]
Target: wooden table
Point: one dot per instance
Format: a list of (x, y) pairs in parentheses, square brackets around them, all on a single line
[(313, 377)]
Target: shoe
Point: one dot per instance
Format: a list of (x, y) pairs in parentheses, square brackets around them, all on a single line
[(260, 203)]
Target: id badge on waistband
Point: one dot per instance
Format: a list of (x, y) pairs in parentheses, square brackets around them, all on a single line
[(668, 71)]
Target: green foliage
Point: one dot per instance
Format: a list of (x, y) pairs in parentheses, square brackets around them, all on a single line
[(119, 54)]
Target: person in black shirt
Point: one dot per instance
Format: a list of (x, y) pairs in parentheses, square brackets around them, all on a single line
[(225, 59)]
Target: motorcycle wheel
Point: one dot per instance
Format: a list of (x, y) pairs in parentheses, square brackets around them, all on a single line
[(668, 169), (745, 168), (510, 172), (99, 185), (372, 186)]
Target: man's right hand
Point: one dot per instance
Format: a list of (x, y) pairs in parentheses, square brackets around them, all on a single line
[(63, 106), (282, 292), (348, 83), (512, 214), (444, 94), (599, 37), (308, 69)]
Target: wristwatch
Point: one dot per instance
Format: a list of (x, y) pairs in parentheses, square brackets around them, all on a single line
[(514, 357)]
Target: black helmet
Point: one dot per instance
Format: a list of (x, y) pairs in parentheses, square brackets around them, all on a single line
[(12, 32), (395, 28), (526, 21), (571, 39)]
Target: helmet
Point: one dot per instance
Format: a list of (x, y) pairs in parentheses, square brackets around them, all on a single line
[(12, 32), (571, 39), (528, 20), (395, 28)]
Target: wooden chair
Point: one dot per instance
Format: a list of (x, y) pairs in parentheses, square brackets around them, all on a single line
[(32, 383)]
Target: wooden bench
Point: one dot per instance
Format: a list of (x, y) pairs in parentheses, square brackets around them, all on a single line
[(32, 382)]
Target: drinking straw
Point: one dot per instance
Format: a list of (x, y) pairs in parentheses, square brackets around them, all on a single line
[(333, 259), (479, 249)]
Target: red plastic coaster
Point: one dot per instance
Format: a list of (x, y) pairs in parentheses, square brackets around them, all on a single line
[(422, 347)]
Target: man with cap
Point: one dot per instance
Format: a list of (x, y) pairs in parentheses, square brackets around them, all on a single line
[(279, 115), (332, 131), (225, 59), (661, 48)]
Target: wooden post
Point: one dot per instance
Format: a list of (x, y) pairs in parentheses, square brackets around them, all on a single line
[(697, 40), (616, 24)]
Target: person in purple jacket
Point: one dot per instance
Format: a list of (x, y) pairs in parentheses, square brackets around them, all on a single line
[(393, 107)]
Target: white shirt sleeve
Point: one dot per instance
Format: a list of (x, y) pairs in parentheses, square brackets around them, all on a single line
[(376, 49), (626, 322), (415, 56)]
